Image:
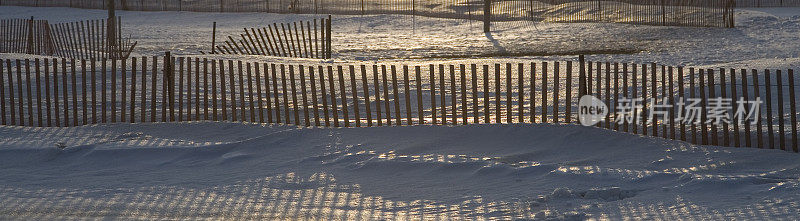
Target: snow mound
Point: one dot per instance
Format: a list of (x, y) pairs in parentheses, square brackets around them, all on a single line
[(252, 171)]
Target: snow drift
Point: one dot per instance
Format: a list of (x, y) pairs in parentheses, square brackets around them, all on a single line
[(250, 171)]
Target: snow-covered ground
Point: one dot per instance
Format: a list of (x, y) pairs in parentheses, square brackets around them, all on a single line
[(762, 36), (204, 170), (227, 170)]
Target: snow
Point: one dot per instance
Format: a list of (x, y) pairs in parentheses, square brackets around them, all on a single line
[(761, 36), (207, 170), (250, 171)]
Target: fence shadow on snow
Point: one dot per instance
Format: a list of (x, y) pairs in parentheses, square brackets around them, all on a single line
[(65, 93)]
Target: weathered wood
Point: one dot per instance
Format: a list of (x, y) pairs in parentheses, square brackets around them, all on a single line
[(608, 93), (28, 95), (453, 103), (533, 92), (726, 139), (768, 90), (274, 94), (625, 89), (268, 93), (365, 86), (64, 78), (568, 96), (781, 129), (420, 108), (242, 102), (13, 117), (486, 102), (232, 84), (214, 90), (250, 94), (616, 96), (74, 94), (475, 103), (433, 93), (84, 101), (378, 102), (681, 94), (464, 112), (46, 93), (509, 92), (396, 96), (38, 77), (407, 95), (258, 92), (520, 92), (304, 94), (285, 97), (757, 95), (734, 96), (354, 92), (556, 87), (442, 94), (154, 72), (113, 91), (334, 106), (644, 96), (497, 91), (793, 110), (132, 105), (544, 93), (653, 94), (671, 95), (386, 96), (3, 82), (342, 91), (325, 96), (144, 89), (124, 89), (315, 101)]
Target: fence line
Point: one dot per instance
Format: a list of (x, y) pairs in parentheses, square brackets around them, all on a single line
[(68, 92), (78, 40), (716, 13), (311, 41)]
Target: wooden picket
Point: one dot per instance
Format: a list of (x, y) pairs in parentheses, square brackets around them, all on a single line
[(73, 93)]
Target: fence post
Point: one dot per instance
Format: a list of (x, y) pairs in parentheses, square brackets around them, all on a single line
[(214, 38), (582, 77), (487, 15)]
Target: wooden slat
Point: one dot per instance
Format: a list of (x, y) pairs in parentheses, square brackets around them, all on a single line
[(365, 86), (334, 106), (306, 118), (386, 96), (259, 96), (354, 93), (432, 79), (325, 96), (420, 107), (251, 99), (781, 117), (768, 90), (343, 93), (396, 96), (407, 95), (315, 101), (274, 94)]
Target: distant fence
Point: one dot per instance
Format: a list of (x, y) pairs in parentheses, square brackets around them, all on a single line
[(311, 40), (768, 3), (706, 13), (79, 40), (62, 93)]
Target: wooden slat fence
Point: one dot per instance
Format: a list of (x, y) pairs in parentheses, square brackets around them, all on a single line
[(715, 13), (26, 36), (78, 40), (67, 92), (309, 39)]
